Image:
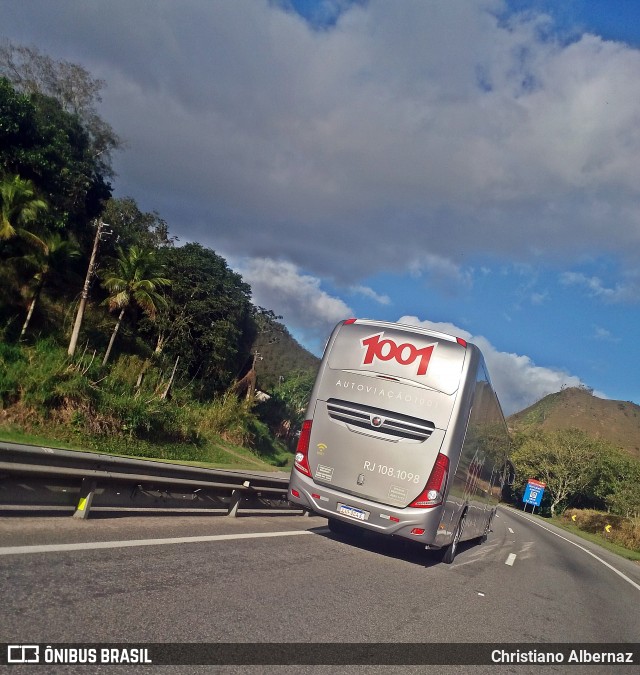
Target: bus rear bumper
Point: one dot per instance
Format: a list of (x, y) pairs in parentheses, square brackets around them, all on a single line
[(421, 525)]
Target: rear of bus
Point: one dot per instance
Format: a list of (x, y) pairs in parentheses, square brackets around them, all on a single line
[(384, 428)]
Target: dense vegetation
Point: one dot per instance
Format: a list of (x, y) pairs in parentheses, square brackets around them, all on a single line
[(587, 476), (578, 470), (583, 447), (110, 334)]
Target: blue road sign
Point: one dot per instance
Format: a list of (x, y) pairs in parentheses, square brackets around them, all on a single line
[(533, 493)]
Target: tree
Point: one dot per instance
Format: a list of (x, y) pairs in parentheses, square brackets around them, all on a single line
[(616, 482), (20, 207), (562, 459), (625, 499), (55, 252), (133, 280), (43, 143), (34, 73), (294, 392), (208, 319), (133, 227)]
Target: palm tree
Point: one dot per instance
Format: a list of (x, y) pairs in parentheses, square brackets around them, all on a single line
[(19, 207), (133, 280), (55, 251)]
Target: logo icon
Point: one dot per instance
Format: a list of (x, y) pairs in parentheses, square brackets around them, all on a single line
[(23, 654), (376, 421), (387, 350)]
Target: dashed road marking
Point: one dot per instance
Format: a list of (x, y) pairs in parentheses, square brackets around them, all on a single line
[(511, 558)]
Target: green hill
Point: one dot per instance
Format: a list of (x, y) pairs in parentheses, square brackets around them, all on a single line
[(617, 422), (280, 355)]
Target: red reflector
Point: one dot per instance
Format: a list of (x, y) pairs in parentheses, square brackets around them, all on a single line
[(417, 531), (295, 493), (315, 496), (349, 321), (462, 342), (394, 519)]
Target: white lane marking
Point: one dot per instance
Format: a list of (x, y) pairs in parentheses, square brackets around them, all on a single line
[(586, 550), (88, 546), (510, 559), (510, 530)]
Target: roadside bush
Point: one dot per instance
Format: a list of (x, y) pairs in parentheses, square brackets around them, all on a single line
[(124, 373), (628, 535), (269, 448), (624, 531), (12, 364), (147, 419), (135, 447), (227, 417), (40, 377), (234, 420)]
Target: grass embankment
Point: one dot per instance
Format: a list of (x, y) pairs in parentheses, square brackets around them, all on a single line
[(220, 455), (615, 533), (46, 398)]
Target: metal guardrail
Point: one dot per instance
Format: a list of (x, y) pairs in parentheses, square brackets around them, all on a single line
[(50, 477)]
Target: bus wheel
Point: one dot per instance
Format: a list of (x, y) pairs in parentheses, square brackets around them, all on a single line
[(487, 529), (449, 552)]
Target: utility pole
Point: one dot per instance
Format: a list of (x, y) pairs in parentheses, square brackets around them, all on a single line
[(252, 373), (256, 356), (85, 289)]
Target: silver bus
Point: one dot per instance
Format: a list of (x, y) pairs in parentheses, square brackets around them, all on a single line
[(403, 435)]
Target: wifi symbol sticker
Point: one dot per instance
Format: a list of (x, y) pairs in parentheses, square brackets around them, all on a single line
[(321, 447)]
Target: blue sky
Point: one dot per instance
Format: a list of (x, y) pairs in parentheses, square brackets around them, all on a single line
[(470, 165)]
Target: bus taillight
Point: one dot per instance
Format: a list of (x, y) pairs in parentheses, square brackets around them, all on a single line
[(302, 459), (433, 492)]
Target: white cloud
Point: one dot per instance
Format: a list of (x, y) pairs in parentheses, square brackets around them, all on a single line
[(441, 272), (539, 298), (604, 335), (370, 293), (306, 309), (622, 292), (518, 381), (407, 127)]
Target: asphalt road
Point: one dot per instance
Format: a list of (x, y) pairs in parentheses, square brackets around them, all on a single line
[(287, 579)]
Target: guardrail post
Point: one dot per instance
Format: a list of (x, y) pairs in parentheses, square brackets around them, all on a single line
[(236, 498), (87, 490)]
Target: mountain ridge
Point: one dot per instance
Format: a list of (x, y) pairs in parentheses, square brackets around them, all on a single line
[(576, 407)]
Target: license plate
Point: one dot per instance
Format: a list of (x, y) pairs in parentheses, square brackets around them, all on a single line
[(352, 512)]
